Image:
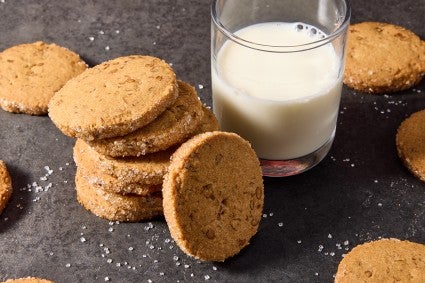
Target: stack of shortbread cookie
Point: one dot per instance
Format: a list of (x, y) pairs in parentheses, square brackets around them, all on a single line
[(128, 115)]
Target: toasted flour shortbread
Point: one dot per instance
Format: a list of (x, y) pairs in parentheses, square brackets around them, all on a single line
[(410, 142), (5, 186), (383, 58), (30, 74), (146, 170), (209, 122), (213, 195), (116, 207), (114, 98), (172, 127), (385, 260), (28, 280)]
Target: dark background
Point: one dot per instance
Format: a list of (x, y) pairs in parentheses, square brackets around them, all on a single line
[(360, 192)]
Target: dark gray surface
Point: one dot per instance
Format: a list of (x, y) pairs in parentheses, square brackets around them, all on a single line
[(360, 192)]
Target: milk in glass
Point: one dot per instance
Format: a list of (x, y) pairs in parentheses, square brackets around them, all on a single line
[(284, 103)]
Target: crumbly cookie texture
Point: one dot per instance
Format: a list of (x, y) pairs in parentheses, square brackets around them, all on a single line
[(30, 74), (172, 127), (410, 142), (114, 98), (28, 280), (117, 207), (385, 260), (383, 58), (213, 195), (5, 186), (146, 170)]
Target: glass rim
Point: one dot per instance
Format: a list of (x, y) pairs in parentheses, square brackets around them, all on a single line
[(282, 48)]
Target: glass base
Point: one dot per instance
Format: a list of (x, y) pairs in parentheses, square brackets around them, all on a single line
[(283, 168)]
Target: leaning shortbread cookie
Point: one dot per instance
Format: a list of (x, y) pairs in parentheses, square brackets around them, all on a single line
[(114, 98), (148, 169), (5, 186), (209, 122), (385, 260), (383, 58), (30, 74), (28, 280), (172, 127), (116, 207), (410, 142), (213, 195)]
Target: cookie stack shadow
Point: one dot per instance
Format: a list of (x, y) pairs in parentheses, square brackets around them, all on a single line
[(121, 165)]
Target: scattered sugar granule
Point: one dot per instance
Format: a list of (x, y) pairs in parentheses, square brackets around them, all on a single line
[(280, 224), (320, 248), (329, 236), (117, 31), (214, 268), (130, 249), (109, 260), (200, 86), (107, 48), (101, 32), (380, 204), (299, 241), (207, 277), (107, 278), (91, 38), (82, 239), (68, 265), (346, 242)]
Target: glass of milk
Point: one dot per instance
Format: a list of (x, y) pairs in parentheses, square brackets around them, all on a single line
[(276, 68)]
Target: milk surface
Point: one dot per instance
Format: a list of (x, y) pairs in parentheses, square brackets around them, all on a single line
[(285, 104)]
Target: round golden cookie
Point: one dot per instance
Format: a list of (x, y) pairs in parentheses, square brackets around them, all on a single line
[(385, 260), (30, 74), (28, 280), (209, 122), (148, 169), (172, 127), (383, 58), (116, 207), (114, 98), (213, 195), (410, 142), (5, 186)]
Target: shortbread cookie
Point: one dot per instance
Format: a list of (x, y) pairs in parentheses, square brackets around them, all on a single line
[(213, 195), (386, 260), (30, 74), (410, 141), (383, 58), (114, 98), (5, 186), (148, 169), (209, 122), (116, 207), (28, 280), (173, 126)]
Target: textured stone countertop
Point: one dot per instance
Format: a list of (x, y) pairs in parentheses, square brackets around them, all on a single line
[(360, 192)]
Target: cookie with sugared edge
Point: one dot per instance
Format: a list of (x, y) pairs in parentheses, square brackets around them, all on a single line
[(383, 58), (144, 170), (213, 195), (114, 98), (209, 122), (28, 280), (172, 127), (117, 207), (5, 186), (410, 142), (385, 260), (30, 74)]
